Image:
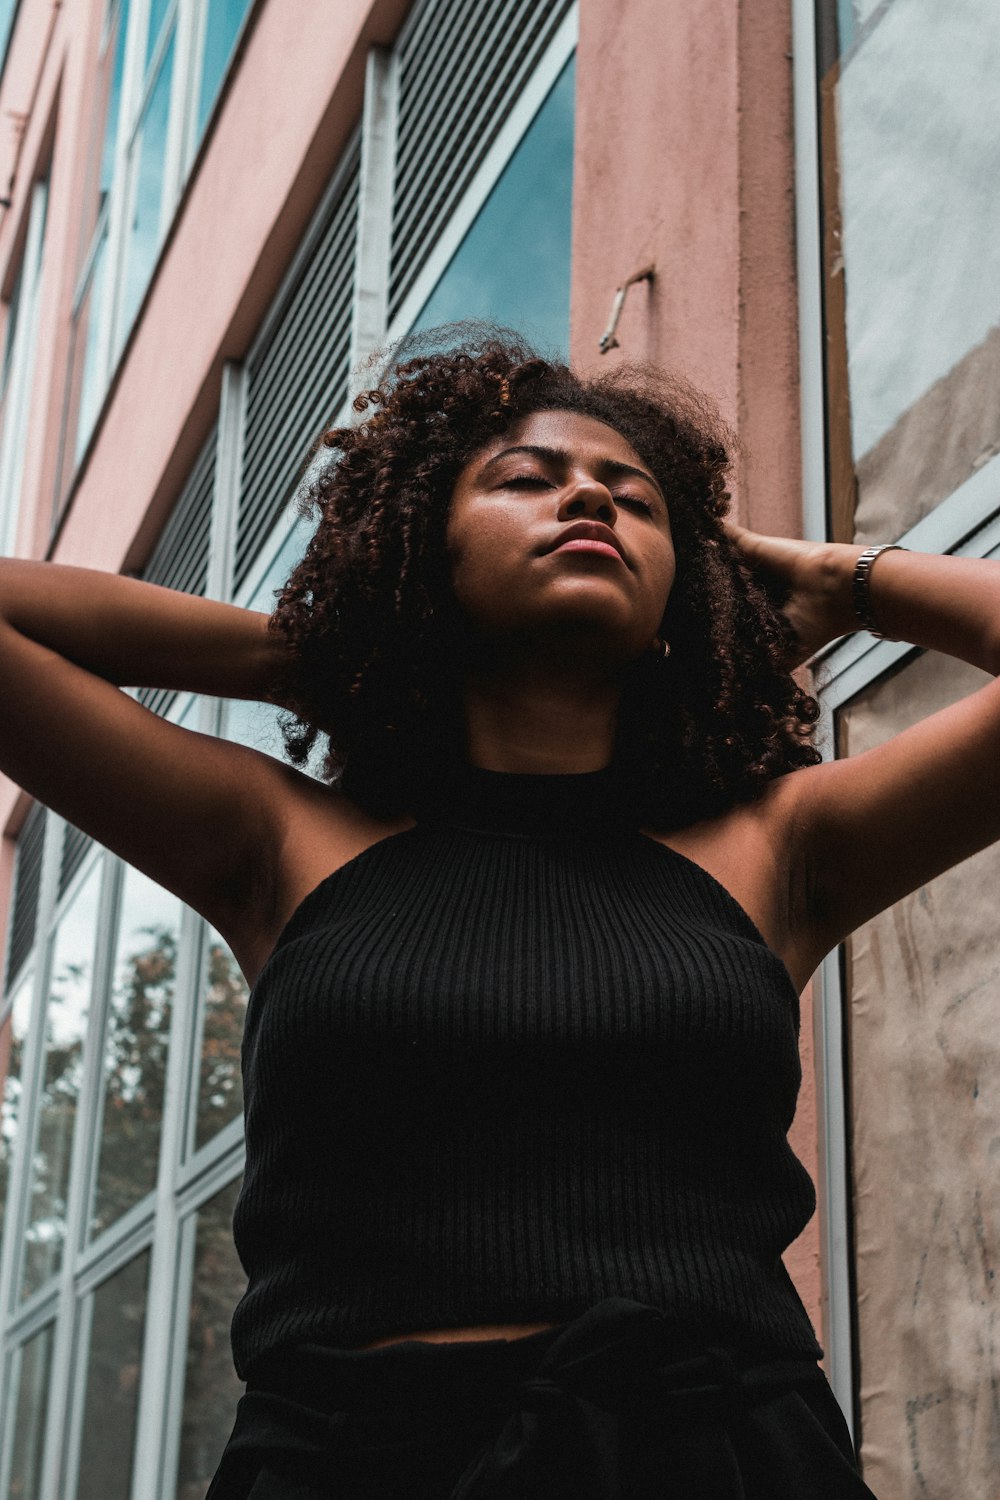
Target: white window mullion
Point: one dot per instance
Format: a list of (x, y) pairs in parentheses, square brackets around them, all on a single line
[(74, 1425), (89, 1115), (155, 1381), (82, 1149), (20, 1177), (31, 1072), (189, 126), (185, 59), (121, 190), (13, 442), (173, 1410), (375, 199)]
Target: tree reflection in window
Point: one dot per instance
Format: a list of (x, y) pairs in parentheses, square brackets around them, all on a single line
[(13, 1036), (67, 1011), (220, 1091), (211, 1389), (136, 1046)]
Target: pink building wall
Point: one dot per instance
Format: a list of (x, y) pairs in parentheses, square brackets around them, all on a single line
[(685, 162)]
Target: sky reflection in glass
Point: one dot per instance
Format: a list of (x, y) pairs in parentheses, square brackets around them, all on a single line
[(513, 265)]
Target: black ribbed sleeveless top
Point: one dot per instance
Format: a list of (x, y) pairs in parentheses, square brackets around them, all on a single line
[(514, 1060)]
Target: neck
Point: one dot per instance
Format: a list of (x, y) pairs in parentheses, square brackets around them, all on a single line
[(535, 725)]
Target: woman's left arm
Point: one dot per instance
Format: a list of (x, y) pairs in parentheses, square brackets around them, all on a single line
[(871, 828)]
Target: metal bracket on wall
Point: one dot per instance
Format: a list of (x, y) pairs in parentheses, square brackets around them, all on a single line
[(608, 340)]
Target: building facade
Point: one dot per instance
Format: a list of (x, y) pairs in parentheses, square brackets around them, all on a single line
[(214, 211)]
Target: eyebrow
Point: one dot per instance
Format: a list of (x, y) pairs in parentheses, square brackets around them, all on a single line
[(611, 466)]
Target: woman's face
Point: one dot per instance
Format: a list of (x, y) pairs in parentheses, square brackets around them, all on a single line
[(557, 529)]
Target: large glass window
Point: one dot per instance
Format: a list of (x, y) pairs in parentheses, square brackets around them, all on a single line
[(211, 1388), (911, 267), (513, 265), (136, 1046), (30, 1413), (910, 157), (143, 145), (88, 335), (112, 1386), (145, 219), (224, 996), (66, 1015)]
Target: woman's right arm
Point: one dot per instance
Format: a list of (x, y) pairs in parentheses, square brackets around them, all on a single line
[(199, 815)]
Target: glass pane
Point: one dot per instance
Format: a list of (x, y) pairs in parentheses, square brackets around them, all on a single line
[(111, 1402), (912, 251), (13, 1037), (924, 1067), (221, 27), (224, 1002), (136, 1046), (87, 383), (513, 267), (211, 1389), (8, 9), (109, 97), (157, 11), (29, 1421), (65, 1024), (146, 187)]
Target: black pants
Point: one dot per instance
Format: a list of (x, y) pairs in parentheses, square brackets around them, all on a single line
[(617, 1405)]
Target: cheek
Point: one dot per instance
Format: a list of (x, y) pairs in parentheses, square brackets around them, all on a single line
[(662, 582), (476, 558)]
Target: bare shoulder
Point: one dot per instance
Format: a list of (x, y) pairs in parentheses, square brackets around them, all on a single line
[(755, 851), (315, 830)]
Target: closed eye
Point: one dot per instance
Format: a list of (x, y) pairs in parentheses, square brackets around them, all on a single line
[(636, 502), (527, 479)]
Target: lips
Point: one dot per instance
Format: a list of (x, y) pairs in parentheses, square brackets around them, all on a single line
[(600, 537)]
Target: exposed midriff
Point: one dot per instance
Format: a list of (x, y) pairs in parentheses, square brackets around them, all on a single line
[(463, 1335)]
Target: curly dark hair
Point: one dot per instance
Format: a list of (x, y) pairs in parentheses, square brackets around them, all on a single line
[(375, 641)]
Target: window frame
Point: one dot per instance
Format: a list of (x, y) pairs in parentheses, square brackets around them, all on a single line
[(183, 26), (966, 524)]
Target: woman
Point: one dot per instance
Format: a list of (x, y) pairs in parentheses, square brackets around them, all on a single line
[(520, 1055)]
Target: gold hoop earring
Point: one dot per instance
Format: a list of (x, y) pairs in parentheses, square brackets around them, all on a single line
[(661, 648)]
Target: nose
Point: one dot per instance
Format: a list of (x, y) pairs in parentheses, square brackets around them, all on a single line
[(585, 497)]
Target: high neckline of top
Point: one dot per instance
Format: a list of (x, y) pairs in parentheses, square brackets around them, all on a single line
[(583, 804)]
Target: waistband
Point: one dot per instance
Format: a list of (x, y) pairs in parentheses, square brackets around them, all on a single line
[(566, 1389)]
